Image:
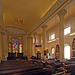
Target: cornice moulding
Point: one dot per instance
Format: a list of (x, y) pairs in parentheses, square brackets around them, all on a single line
[(60, 4)]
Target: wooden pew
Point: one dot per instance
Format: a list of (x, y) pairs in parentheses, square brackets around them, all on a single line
[(20, 67)]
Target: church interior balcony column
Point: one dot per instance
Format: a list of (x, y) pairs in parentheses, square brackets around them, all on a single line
[(61, 33), (1, 15), (29, 46), (44, 38), (5, 45), (0, 47), (35, 42), (24, 46)]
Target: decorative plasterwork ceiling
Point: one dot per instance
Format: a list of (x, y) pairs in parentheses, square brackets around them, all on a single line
[(15, 30), (24, 14)]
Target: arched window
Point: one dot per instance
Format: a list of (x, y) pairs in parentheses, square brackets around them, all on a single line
[(10, 46), (20, 48), (15, 46), (67, 52), (53, 52)]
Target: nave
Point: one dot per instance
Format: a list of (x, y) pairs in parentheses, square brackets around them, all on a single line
[(37, 37), (34, 66)]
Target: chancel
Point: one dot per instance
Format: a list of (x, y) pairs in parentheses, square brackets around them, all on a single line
[(37, 37)]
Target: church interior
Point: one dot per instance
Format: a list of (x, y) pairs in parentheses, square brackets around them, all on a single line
[(37, 37)]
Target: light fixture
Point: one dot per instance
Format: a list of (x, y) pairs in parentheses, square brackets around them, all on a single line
[(19, 21)]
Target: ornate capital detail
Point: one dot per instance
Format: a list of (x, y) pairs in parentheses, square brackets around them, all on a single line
[(44, 27), (0, 3), (62, 13), (35, 33), (55, 8)]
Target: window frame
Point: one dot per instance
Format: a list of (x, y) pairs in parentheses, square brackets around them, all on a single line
[(67, 30), (64, 51), (51, 36)]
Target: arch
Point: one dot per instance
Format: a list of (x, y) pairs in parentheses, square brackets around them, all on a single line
[(53, 52)]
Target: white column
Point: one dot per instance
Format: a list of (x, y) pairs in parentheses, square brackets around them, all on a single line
[(39, 39), (5, 45), (0, 47), (24, 45), (44, 37), (61, 33), (29, 46), (1, 15), (35, 42), (0, 30), (2, 44)]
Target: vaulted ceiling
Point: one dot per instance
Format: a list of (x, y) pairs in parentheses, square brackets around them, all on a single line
[(24, 14)]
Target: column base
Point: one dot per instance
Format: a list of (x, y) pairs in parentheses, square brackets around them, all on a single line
[(0, 61)]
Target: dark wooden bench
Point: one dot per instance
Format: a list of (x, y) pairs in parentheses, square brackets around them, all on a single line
[(21, 68)]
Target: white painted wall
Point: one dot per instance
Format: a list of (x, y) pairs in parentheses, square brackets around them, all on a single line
[(70, 21)]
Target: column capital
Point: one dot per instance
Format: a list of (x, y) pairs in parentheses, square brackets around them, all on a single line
[(29, 36), (44, 27), (62, 13), (35, 33)]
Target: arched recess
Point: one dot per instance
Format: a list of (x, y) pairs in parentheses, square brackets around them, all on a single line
[(53, 52)]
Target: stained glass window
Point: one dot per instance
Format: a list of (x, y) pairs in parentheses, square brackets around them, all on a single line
[(9, 46), (15, 47), (20, 48)]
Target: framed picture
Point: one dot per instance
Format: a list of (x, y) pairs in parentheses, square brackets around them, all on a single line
[(73, 44), (57, 48), (57, 52), (73, 53)]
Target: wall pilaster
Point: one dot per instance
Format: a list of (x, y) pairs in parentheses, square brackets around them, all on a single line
[(44, 38), (61, 33)]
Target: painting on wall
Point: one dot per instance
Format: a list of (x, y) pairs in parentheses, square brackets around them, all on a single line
[(73, 44), (57, 52), (73, 54), (57, 48)]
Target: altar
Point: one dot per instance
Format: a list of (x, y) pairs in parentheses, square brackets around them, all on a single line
[(12, 56)]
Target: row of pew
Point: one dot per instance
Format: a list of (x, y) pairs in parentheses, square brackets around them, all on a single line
[(57, 67), (37, 67), (21, 67)]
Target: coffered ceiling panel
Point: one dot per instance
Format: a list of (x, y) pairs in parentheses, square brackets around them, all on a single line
[(25, 14)]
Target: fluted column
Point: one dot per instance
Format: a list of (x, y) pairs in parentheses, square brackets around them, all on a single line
[(39, 39), (24, 46), (29, 46), (44, 37), (1, 15), (35, 42), (5, 45), (0, 47), (61, 33)]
